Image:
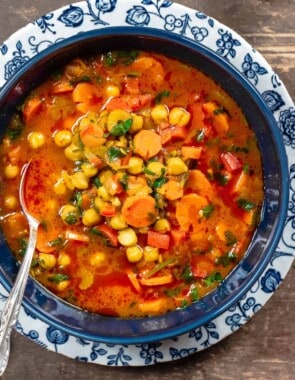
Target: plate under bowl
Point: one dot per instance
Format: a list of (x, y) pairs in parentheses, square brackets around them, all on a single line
[(48, 307)]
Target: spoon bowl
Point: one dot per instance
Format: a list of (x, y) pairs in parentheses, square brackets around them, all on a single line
[(12, 306)]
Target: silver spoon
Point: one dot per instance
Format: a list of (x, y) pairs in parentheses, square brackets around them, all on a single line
[(12, 306)]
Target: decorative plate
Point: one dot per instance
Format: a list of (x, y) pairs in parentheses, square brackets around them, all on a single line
[(198, 27)]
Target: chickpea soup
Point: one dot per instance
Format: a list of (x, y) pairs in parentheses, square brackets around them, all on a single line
[(145, 175)]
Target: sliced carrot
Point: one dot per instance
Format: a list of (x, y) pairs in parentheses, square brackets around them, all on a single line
[(152, 307), (198, 182), (70, 121), (73, 235), (155, 239), (191, 152), (61, 87), (92, 136), (134, 281), (249, 217), (219, 119), (147, 143), (173, 190), (156, 281), (84, 92), (31, 107), (177, 237), (44, 237), (140, 210), (128, 103), (187, 210), (240, 183)]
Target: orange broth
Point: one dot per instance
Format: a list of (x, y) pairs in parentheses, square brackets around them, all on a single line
[(146, 178)]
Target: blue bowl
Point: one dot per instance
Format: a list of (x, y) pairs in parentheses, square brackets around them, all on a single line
[(56, 312)]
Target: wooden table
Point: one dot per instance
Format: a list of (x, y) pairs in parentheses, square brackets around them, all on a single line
[(262, 349)]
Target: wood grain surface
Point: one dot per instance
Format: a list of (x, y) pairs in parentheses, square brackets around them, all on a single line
[(264, 348)]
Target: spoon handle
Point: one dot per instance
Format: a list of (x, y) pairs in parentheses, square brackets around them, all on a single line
[(12, 306)]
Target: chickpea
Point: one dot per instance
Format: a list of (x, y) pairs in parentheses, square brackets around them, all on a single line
[(112, 90), (102, 192), (63, 138), (36, 140), (162, 225), (150, 253), (62, 285), (116, 202), (99, 203), (104, 175), (89, 170), (70, 214), (134, 254), (176, 166), (159, 113), (137, 123), (156, 168), (60, 187), (90, 217), (127, 237), (135, 165), (11, 171), (63, 259), (47, 260), (98, 259), (10, 202), (80, 181), (74, 152), (118, 222), (115, 116), (179, 116)]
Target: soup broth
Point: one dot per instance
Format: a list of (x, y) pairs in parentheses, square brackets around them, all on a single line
[(145, 176)]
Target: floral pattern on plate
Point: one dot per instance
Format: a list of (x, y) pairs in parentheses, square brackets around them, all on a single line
[(74, 18)]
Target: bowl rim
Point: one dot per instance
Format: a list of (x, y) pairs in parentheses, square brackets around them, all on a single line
[(191, 324)]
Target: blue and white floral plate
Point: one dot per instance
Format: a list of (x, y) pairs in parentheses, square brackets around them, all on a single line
[(198, 27)]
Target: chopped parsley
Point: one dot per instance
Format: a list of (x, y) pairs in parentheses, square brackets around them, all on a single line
[(208, 210), (230, 238), (114, 153), (227, 259), (161, 95), (212, 278), (245, 204), (58, 278), (121, 128), (15, 128)]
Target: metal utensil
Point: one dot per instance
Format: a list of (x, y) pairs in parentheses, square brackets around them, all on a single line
[(11, 308)]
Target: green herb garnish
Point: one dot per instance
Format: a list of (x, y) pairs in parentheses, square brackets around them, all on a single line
[(161, 95), (227, 259), (15, 128), (230, 238), (159, 266), (213, 277), (58, 278), (121, 128), (187, 275), (114, 153), (208, 210), (245, 204)]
